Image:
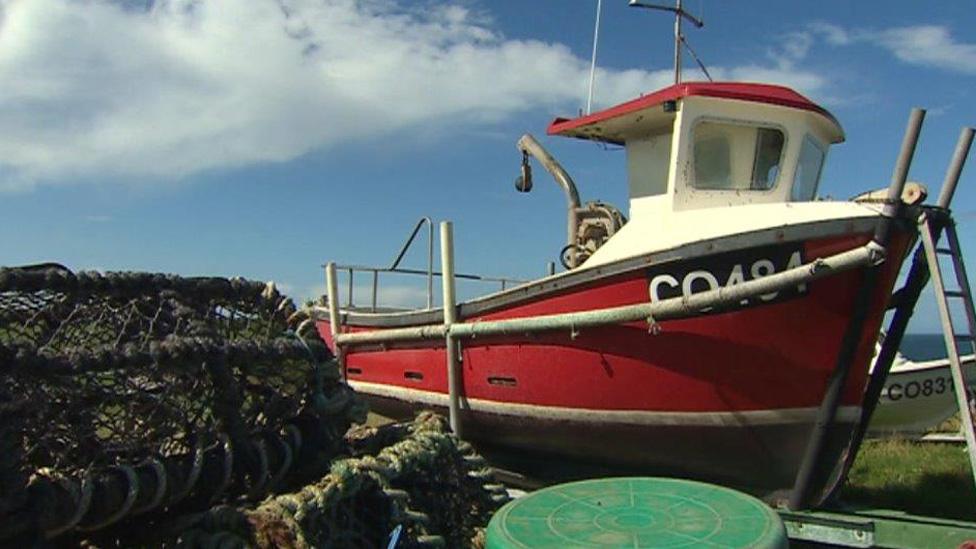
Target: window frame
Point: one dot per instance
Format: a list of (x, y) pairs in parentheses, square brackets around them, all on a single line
[(690, 183), (822, 148)]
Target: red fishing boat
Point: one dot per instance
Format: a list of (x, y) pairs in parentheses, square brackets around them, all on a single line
[(722, 330), (722, 180)]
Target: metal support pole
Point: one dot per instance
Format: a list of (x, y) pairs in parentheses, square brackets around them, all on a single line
[(918, 277), (677, 44), (907, 298), (332, 287), (430, 264), (528, 144), (679, 39), (376, 283), (955, 167), (899, 175), (811, 468), (430, 255), (349, 300), (666, 309), (450, 317)]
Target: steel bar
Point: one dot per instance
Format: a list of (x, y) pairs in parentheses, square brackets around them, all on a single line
[(677, 44), (908, 295), (955, 167), (668, 309), (893, 201), (430, 264), (376, 283), (450, 317), (811, 466), (868, 527), (430, 256), (528, 144), (918, 277), (679, 13), (410, 239), (677, 307), (395, 335), (332, 287), (349, 300), (479, 278)]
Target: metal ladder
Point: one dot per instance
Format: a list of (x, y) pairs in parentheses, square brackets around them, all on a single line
[(929, 230)]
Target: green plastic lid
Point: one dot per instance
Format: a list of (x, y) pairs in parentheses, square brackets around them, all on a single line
[(636, 512)]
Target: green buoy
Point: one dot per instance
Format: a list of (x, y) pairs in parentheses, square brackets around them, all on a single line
[(636, 512)]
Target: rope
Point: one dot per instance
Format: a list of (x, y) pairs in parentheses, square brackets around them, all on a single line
[(420, 484)]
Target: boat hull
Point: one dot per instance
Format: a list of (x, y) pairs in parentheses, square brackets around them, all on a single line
[(755, 450), (726, 395), (917, 397)]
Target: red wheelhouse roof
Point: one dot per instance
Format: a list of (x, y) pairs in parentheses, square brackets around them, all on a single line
[(757, 93)]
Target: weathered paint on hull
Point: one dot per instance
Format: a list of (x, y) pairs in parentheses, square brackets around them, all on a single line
[(769, 358), (760, 454)]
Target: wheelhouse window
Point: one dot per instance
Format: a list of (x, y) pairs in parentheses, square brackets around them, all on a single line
[(647, 165), (736, 156), (808, 168)]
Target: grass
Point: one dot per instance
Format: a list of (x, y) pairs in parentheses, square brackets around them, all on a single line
[(924, 478)]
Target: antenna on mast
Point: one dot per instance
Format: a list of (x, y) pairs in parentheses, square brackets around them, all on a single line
[(679, 38), (596, 38)]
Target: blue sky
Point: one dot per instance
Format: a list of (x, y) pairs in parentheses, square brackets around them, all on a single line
[(262, 138)]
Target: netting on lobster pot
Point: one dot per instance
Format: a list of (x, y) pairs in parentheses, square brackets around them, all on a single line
[(49, 306), (133, 386)]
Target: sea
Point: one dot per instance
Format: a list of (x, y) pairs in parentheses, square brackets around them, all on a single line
[(919, 347)]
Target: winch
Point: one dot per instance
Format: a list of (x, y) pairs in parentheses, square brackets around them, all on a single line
[(590, 225)]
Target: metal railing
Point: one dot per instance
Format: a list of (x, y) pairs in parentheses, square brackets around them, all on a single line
[(394, 268), (455, 329), (399, 257)]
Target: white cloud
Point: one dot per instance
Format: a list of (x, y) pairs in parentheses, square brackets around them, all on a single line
[(833, 34), (794, 47), (97, 89), (928, 45)]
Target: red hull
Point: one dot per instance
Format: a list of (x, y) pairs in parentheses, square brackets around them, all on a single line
[(739, 386)]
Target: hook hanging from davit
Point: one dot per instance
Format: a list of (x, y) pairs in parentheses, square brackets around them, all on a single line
[(523, 183)]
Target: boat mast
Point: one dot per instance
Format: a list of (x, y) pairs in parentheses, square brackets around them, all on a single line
[(677, 43), (679, 39)]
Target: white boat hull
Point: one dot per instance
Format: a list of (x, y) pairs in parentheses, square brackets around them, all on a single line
[(918, 396)]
